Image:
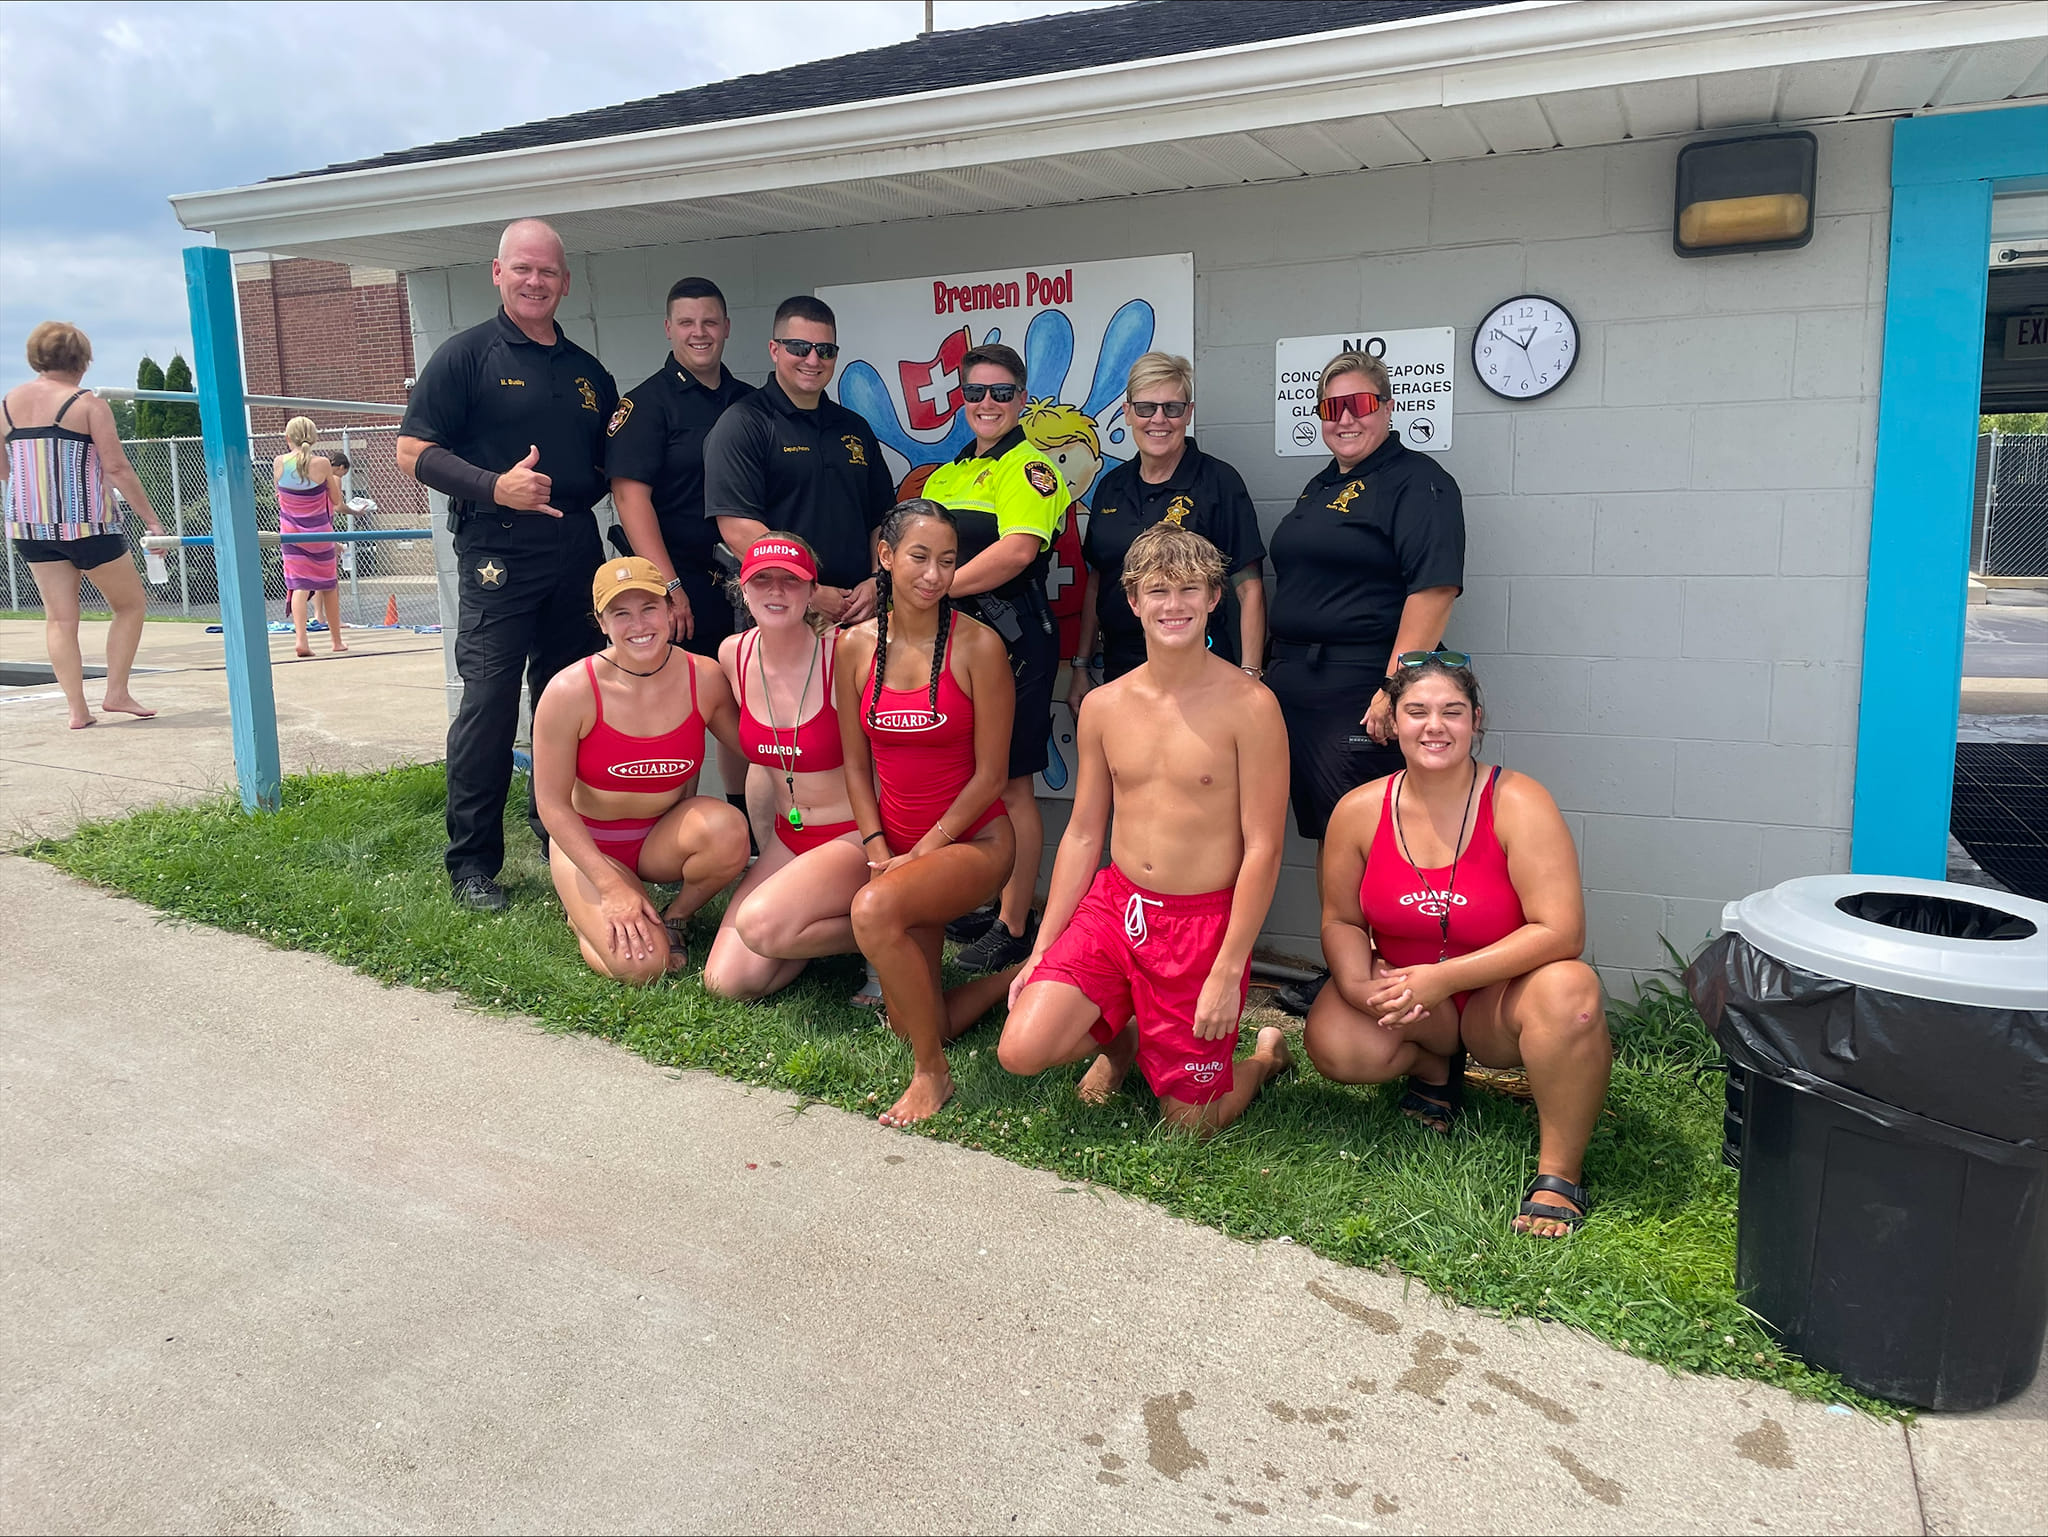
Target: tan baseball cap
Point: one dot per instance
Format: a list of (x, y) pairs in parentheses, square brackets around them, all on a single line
[(630, 573)]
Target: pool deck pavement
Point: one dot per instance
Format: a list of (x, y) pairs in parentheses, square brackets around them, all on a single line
[(290, 1250)]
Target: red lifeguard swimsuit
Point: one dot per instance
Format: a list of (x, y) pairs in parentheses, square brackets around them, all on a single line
[(1404, 905), (923, 759), (609, 759), (812, 748)]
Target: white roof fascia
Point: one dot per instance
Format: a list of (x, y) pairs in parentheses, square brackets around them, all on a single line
[(1539, 46)]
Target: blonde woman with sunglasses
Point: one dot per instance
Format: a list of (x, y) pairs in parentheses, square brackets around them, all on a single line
[(1169, 480), (1366, 567)]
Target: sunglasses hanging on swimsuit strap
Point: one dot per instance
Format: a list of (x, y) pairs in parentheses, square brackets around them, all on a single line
[(795, 815)]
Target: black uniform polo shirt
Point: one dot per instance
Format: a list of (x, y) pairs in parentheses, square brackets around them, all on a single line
[(1205, 496), (1357, 545), (491, 392), (817, 474), (657, 437)]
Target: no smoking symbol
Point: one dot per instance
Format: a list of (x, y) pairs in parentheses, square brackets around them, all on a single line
[(1304, 432)]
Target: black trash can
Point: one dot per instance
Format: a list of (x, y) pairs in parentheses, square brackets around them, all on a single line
[(1888, 1048)]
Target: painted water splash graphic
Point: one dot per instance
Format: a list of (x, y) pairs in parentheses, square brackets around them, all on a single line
[(1048, 360)]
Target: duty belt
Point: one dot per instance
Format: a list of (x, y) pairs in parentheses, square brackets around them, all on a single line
[(1316, 652)]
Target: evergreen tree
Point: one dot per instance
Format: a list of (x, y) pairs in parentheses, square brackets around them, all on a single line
[(149, 413), (124, 418), (179, 419)]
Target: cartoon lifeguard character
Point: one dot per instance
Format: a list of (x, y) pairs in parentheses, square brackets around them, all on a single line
[(1067, 436)]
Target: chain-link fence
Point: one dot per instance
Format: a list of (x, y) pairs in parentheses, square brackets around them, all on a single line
[(372, 575), (2011, 528)]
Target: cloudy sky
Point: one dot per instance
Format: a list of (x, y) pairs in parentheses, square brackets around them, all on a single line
[(108, 108)]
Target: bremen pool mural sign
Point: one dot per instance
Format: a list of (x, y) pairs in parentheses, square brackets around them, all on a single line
[(1079, 326)]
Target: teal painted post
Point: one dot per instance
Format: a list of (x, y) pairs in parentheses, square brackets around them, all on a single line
[(224, 422), (1943, 170), (1920, 527)]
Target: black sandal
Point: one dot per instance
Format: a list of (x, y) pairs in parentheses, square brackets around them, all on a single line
[(1556, 1184), (1434, 1106)]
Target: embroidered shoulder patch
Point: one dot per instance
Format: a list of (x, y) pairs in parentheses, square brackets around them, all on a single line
[(1045, 480), (619, 417)]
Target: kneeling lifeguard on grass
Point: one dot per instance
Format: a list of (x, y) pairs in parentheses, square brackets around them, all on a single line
[(1190, 755), (618, 740), (925, 700), (796, 902), (1453, 921)]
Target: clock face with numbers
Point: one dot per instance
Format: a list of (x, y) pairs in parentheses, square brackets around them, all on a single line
[(1526, 347)]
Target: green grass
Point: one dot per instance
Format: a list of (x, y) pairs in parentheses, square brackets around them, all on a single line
[(351, 867), (90, 616)]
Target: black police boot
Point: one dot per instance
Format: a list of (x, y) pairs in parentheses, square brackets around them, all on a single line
[(1297, 998), (998, 948), (969, 927), (480, 894)]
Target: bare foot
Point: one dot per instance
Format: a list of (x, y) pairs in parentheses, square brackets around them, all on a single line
[(302, 650), (678, 952), (338, 646), (124, 704), (1105, 1074), (80, 725), (926, 1096), (1272, 1050)]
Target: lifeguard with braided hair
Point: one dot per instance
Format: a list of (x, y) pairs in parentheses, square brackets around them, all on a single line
[(924, 699)]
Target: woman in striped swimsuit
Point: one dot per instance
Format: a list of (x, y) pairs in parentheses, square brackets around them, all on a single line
[(308, 492), (62, 453)]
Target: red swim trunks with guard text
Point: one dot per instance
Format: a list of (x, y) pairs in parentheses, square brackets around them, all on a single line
[(1144, 954)]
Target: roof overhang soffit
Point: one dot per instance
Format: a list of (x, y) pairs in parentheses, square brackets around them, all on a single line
[(1464, 59)]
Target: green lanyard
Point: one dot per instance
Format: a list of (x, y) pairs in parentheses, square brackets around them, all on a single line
[(794, 815)]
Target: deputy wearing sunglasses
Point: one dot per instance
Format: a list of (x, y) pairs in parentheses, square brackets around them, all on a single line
[(1365, 568), (1169, 481), (1011, 501), (791, 459)]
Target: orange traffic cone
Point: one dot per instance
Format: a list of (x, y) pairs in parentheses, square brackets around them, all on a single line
[(391, 612)]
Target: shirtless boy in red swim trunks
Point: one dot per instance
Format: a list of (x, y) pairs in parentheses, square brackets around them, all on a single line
[(1190, 753)]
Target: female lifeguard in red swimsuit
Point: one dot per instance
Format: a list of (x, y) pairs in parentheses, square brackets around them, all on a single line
[(1452, 922), (618, 740), (925, 700), (796, 902)]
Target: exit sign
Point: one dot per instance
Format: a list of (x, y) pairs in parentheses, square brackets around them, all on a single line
[(2026, 336)]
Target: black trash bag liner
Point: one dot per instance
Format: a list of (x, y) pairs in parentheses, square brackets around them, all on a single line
[(1977, 1069), (1935, 915)]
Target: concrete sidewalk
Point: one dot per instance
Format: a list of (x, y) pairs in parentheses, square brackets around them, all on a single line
[(380, 703), (288, 1250)]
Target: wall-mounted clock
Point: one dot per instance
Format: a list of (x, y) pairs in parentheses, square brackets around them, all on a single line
[(1525, 347)]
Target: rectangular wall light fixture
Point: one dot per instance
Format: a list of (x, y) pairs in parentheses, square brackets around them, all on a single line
[(1752, 194)]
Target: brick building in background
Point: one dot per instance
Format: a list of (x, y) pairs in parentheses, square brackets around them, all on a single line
[(322, 329)]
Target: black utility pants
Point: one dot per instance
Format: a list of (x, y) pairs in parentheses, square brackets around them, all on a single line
[(521, 615)]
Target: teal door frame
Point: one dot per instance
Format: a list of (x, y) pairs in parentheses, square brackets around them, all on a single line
[(1943, 171)]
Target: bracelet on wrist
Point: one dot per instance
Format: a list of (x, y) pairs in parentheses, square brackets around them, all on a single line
[(673, 583), (870, 838)]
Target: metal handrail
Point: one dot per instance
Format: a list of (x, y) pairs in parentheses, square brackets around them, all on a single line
[(124, 392), (270, 538)]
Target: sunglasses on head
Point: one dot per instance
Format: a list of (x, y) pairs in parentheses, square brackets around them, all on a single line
[(1144, 410), (1331, 408), (796, 347), (1422, 658), (1001, 394)]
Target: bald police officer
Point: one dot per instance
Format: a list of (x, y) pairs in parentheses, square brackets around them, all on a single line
[(508, 420)]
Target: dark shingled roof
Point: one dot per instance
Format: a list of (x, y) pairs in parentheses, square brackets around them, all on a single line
[(1044, 45)]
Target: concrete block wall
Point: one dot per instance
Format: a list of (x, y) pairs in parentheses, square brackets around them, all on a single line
[(1667, 553)]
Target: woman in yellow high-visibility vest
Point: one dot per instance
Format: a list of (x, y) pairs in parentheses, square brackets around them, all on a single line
[(1011, 501)]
